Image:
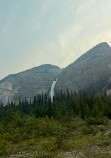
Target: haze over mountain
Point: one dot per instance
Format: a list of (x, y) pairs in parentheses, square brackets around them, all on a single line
[(28, 83), (91, 72), (34, 32)]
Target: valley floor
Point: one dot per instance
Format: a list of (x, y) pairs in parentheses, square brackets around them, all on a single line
[(73, 138)]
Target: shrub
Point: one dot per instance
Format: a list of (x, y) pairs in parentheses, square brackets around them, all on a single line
[(89, 130), (97, 121)]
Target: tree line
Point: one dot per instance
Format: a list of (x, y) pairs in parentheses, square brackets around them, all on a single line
[(65, 105)]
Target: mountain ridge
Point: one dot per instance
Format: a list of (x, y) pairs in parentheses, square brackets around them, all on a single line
[(28, 83), (36, 67), (94, 62), (91, 71)]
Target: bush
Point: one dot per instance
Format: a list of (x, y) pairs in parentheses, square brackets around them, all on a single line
[(75, 124), (67, 144), (89, 130), (3, 147), (60, 135), (97, 121)]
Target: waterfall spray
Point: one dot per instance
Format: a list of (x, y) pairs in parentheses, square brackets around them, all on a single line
[(52, 89)]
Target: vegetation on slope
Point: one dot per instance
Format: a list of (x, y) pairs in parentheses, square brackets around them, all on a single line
[(74, 125)]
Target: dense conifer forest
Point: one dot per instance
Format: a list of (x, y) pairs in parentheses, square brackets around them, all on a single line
[(44, 129)]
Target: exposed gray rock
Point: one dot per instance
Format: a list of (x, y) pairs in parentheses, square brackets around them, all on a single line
[(28, 83), (92, 71)]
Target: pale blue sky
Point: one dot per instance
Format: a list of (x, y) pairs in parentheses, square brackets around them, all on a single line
[(35, 32)]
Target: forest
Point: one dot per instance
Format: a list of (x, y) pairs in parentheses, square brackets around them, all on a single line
[(40, 128)]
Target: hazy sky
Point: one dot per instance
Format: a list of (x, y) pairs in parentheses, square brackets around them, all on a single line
[(35, 32)]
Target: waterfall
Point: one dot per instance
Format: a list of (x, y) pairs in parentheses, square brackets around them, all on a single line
[(52, 89)]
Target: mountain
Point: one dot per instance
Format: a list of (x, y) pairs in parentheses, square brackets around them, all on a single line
[(91, 72), (28, 83)]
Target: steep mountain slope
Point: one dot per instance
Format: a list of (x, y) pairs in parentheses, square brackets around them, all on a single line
[(91, 72), (28, 83)]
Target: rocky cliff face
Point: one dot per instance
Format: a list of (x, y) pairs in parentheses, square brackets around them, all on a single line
[(91, 72), (28, 83)]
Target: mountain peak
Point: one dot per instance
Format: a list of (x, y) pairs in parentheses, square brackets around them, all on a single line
[(103, 45), (89, 72), (100, 49), (28, 83), (48, 66)]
